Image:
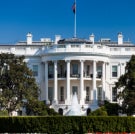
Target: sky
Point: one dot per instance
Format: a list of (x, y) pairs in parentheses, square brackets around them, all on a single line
[(47, 18)]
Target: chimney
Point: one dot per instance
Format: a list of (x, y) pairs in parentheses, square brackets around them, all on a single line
[(57, 38), (120, 39), (29, 39), (91, 38)]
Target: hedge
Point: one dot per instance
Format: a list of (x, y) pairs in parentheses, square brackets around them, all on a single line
[(62, 125)]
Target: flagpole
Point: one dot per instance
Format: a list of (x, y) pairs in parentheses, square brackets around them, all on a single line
[(75, 21)]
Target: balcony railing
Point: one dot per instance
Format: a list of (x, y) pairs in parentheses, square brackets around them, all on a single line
[(50, 76), (75, 75), (61, 75), (61, 101)]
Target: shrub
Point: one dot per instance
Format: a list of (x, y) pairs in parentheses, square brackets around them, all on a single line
[(3, 113), (111, 108), (62, 124), (99, 112)]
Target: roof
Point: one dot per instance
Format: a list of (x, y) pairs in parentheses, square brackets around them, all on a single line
[(74, 41)]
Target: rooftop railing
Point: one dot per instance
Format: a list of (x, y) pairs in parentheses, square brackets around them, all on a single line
[(68, 48)]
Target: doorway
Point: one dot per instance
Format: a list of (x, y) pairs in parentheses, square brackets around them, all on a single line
[(74, 90), (50, 94)]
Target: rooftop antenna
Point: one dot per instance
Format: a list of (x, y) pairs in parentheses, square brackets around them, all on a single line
[(74, 11)]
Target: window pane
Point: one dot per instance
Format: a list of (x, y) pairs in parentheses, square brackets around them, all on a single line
[(99, 71), (35, 70), (74, 90), (99, 68), (75, 68), (99, 90), (50, 71), (114, 68), (61, 93), (114, 71), (87, 93), (88, 69)]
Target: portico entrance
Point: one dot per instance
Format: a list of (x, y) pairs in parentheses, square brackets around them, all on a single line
[(74, 90)]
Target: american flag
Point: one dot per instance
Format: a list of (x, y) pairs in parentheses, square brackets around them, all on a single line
[(74, 7)]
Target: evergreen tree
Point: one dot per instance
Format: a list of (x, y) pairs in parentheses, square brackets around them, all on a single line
[(17, 84), (127, 85)]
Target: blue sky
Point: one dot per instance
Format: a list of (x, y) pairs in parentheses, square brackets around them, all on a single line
[(47, 18)]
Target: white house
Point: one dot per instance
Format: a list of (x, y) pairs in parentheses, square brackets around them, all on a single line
[(88, 67)]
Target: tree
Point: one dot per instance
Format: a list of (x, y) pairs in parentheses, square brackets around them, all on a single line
[(99, 112), (17, 84), (111, 108), (126, 83), (39, 108)]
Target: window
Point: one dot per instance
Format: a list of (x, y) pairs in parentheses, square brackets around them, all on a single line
[(114, 71), (61, 46), (87, 70), (75, 68), (127, 49), (61, 70), (114, 94), (61, 93), (50, 94), (50, 70), (35, 70), (74, 90), (87, 93), (99, 93), (87, 46), (99, 71), (74, 46)]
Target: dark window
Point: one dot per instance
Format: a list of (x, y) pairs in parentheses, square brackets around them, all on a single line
[(114, 71), (74, 90), (51, 70), (75, 68), (61, 93), (87, 70), (87, 93), (99, 71), (114, 95), (35, 70), (99, 93)]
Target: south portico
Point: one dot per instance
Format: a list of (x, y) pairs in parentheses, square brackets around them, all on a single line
[(86, 77)]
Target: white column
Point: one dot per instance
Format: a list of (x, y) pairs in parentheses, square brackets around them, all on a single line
[(94, 105), (55, 83), (119, 69), (46, 82), (81, 82), (94, 81), (103, 81), (68, 82), (41, 81)]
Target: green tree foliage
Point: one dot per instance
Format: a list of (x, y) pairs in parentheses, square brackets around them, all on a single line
[(3, 113), (16, 82), (99, 112), (39, 108), (18, 87), (111, 108), (127, 83)]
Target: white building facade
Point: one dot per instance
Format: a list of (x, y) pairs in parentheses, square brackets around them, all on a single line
[(88, 67)]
